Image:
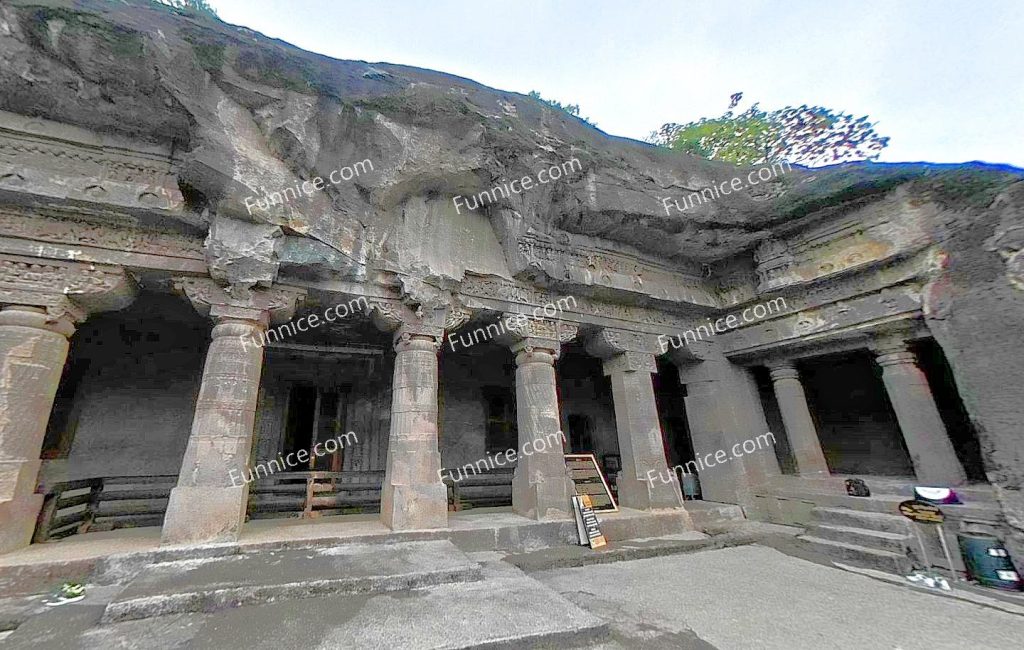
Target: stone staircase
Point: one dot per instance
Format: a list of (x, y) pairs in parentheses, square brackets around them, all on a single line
[(871, 540)]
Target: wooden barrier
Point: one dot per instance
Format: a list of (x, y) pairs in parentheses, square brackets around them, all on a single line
[(103, 503), (491, 488), (314, 494)]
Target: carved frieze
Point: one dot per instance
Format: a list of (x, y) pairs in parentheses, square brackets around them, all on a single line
[(117, 235), (53, 160), (589, 266), (885, 230), (522, 294), (774, 263), (843, 318)]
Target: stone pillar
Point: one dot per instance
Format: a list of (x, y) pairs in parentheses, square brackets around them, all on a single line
[(413, 495), (931, 451), (796, 416), (209, 502), (35, 325), (541, 487), (723, 408), (33, 350), (629, 362)]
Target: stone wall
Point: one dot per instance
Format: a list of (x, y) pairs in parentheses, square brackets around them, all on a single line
[(136, 397)]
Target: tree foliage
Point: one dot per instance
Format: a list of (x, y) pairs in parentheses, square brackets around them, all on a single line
[(571, 109), (804, 135), (198, 6)]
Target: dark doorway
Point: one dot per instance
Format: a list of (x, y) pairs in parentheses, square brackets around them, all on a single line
[(501, 433), (581, 434), (315, 415), (856, 424), (773, 417), (936, 369), (670, 398)]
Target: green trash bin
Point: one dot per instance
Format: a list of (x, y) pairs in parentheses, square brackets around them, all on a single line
[(988, 562)]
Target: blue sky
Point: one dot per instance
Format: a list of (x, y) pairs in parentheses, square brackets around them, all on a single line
[(943, 79)]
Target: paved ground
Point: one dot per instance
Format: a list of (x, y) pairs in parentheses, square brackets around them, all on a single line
[(737, 597), (756, 597)]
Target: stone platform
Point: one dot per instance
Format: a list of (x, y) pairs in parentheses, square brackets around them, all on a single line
[(116, 557), (499, 607), (212, 584)]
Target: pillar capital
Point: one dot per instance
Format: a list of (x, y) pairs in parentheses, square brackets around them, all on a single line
[(66, 291), (38, 318), (408, 324), (236, 303), (528, 334), (782, 369), (893, 352), (630, 362)]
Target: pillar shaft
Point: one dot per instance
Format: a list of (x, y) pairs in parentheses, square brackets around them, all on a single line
[(796, 416), (33, 350), (723, 409), (413, 496), (639, 433), (541, 488), (935, 460), (209, 502)]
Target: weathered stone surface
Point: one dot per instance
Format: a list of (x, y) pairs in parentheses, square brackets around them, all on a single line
[(33, 349), (132, 132), (243, 253), (257, 116)]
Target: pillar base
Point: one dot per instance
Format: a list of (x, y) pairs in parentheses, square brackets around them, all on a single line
[(18, 518), (414, 507), (542, 497), (204, 515), (648, 495)]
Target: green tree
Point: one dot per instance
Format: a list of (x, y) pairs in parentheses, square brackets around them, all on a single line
[(198, 6), (571, 109), (804, 135)]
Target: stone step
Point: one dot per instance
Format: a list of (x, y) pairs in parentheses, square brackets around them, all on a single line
[(505, 609), (876, 521), (880, 540), (861, 556), (705, 514), (214, 583)]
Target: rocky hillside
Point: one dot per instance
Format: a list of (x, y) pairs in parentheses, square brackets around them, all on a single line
[(249, 115)]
